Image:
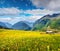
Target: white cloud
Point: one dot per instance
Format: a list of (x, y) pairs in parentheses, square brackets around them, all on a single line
[(38, 12), (54, 5), (34, 18), (17, 19), (12, 20), (34, 14), (9, 11), (5, 19), (47, 4), (15, 11)]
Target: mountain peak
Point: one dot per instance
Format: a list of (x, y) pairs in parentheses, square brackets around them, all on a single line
[(48, 20)]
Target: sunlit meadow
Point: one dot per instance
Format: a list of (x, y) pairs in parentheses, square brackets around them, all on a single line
[(19, 40)]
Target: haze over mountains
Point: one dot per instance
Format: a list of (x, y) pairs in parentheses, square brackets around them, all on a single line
[(21, 26), (5, 25), (41, 24)]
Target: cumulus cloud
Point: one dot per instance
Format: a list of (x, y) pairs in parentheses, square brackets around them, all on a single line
[(5, 19), (9, 11), (17, 19), (27, 15), (15, 11), (47, 4), (34, 18), (12, 20), (39, 12), (8, 19), (33, 14)]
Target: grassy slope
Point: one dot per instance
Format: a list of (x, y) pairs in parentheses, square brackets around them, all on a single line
[(54, 23), (15, 40)]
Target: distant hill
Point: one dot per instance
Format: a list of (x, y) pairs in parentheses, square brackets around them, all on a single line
[(29, 23), (53, 21), (48, 20), (8, 25), (21, 26), (4, 25)]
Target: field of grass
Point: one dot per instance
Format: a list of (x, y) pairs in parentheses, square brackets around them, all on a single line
[(17, 40)]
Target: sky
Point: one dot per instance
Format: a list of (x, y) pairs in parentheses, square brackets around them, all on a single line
[(13, 11)]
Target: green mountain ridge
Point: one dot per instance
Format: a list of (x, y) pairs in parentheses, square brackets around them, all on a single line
[(53, 21)]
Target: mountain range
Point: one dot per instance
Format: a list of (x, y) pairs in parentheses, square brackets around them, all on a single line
[(52, 21), (5, 25), (21, 25)]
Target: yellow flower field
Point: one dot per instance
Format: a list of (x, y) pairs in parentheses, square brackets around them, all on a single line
[(19, 40)]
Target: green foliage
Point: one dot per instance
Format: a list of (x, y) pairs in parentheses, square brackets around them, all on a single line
[(53, 23), (38, 27)]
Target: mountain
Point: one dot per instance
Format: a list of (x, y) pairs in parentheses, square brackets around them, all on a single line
[(2, 25), (21, 26), (8, 25), (29, 23), (5, 25), (53, 21)]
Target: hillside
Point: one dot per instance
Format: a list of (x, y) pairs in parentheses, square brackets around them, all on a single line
[(21, 26), (48, 20), (5, 25)]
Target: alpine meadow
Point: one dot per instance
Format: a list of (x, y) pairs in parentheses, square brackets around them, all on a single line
[(29, 25)]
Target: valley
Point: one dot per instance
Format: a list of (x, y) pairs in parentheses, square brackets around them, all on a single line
[(29, 25), (42, 35)]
